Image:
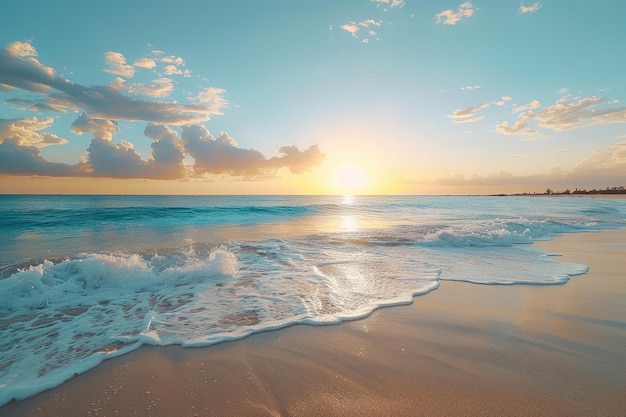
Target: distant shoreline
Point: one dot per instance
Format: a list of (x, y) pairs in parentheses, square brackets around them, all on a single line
[(594, 192), (589, 195)]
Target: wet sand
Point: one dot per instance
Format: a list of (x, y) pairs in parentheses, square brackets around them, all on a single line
[(462, 350)]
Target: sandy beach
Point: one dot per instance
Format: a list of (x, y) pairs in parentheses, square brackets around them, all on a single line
[(462, 350)]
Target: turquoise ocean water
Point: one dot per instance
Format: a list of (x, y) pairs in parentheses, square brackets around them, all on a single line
[(84, 278)]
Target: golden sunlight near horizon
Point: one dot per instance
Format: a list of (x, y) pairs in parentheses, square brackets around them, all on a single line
[(350, 178)]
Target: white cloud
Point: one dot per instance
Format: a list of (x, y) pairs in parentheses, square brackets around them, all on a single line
[(529, 9), (211, 96), (354, 27), (564, 115), (101, 108), (351, 28), (450, 17), (468, 115), (116, 160), (161, 87), (172, 70), (175, 60), (117, 65), (119, 84), (16, 159), (503, 101), (146, 63), (102, 129), (530, 106), (24, 132), (519, 128), (218, 155), (100, 102), (370, 22), (471, 87), (174, 65), (19, 69), (391, 3), (21, 49)]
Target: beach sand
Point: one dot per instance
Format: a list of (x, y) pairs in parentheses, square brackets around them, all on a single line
[(462, 350)]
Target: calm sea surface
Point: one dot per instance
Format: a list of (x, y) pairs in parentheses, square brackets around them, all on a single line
[(83, 278)]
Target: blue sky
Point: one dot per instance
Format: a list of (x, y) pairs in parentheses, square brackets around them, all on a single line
[(315, 97)]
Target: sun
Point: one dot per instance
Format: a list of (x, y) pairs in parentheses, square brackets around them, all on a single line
[(349, 178)]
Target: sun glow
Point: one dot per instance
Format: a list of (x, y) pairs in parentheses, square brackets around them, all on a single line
[(350, 179)]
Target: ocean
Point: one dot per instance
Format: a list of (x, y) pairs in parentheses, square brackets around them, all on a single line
[(86, 278)]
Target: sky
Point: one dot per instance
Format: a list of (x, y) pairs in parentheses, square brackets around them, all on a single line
[(312, 97)]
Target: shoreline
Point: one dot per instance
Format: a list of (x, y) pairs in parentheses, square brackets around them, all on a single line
[(462, 349)]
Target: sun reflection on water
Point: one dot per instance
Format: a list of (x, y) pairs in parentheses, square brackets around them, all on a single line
[(347, 200), (349, 223)]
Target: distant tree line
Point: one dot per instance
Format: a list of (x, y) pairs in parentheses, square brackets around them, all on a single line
[(577, 191), (607, 190)]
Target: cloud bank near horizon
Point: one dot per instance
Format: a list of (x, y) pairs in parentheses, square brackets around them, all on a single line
[(593, 171)]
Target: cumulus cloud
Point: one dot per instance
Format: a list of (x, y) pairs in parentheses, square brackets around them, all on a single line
[(172, 70), (25, 132), (167, 152), (20, 159), (174, 65), (296, 160), (102, 129), (146, 63), (117, 65), (21, 49), (105, 158), (175, 60), (101, 107), (451, 17), (219, 155), (469, 114), (120, 160), (529, 9), (116, 160)]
